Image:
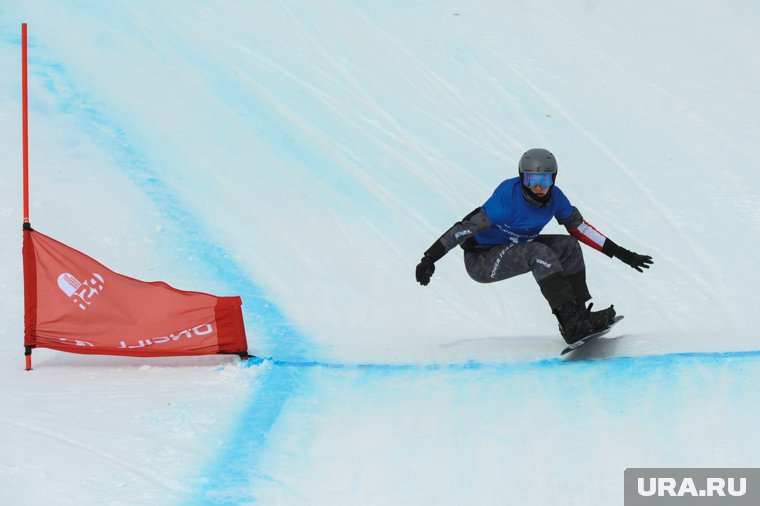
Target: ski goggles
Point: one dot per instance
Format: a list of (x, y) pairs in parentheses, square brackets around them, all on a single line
[(533, 180)]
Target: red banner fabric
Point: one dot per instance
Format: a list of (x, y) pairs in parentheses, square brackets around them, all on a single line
[(75, 304)]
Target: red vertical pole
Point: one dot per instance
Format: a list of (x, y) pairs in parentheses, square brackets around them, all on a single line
[(25, 134), (25, 115)]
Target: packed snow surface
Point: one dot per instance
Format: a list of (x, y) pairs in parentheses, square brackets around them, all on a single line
[(303, 155)]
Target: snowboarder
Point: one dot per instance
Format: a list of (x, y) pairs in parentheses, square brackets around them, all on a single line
[(503, 239)]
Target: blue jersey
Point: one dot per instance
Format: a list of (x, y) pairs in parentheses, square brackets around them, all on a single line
[(514, 219)]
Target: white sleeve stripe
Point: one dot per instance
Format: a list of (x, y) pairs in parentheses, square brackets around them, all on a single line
[(591, 233)]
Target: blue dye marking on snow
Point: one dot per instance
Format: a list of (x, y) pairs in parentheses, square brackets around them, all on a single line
[(271, 124), (619, 361), (277, 385), (227, 480), (231, 480)]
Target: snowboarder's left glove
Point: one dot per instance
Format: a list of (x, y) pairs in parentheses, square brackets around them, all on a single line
[(634, 259), (425, 270), (629, 257)]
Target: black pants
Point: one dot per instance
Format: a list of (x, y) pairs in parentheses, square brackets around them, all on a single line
[(556, 262)]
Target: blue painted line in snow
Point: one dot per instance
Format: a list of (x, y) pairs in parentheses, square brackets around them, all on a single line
[(262, 410), (231, 479), (473, 364), (227, 480), (270, 123)]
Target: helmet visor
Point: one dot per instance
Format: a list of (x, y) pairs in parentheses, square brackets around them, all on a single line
[(542, 180)]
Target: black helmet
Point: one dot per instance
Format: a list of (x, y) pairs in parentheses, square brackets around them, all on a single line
[(538, 161)]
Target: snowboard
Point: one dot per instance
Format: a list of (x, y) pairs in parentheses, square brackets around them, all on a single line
[(591, 337)]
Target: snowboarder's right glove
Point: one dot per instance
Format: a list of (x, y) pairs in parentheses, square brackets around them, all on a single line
[(629, 257), (425, 269)]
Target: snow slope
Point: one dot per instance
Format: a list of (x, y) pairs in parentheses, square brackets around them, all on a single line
[(304, 155)]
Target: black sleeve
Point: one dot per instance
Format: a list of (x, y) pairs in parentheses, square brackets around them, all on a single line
[(470, 225), (573, 221)]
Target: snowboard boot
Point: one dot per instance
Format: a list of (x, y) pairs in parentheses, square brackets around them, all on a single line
[(580, 288), (600, 320), (574, 321)]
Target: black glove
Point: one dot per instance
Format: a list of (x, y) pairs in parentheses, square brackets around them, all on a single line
[(425, 269), (634, 259)]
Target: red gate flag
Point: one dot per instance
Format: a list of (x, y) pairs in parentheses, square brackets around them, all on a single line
[(75, 304)]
